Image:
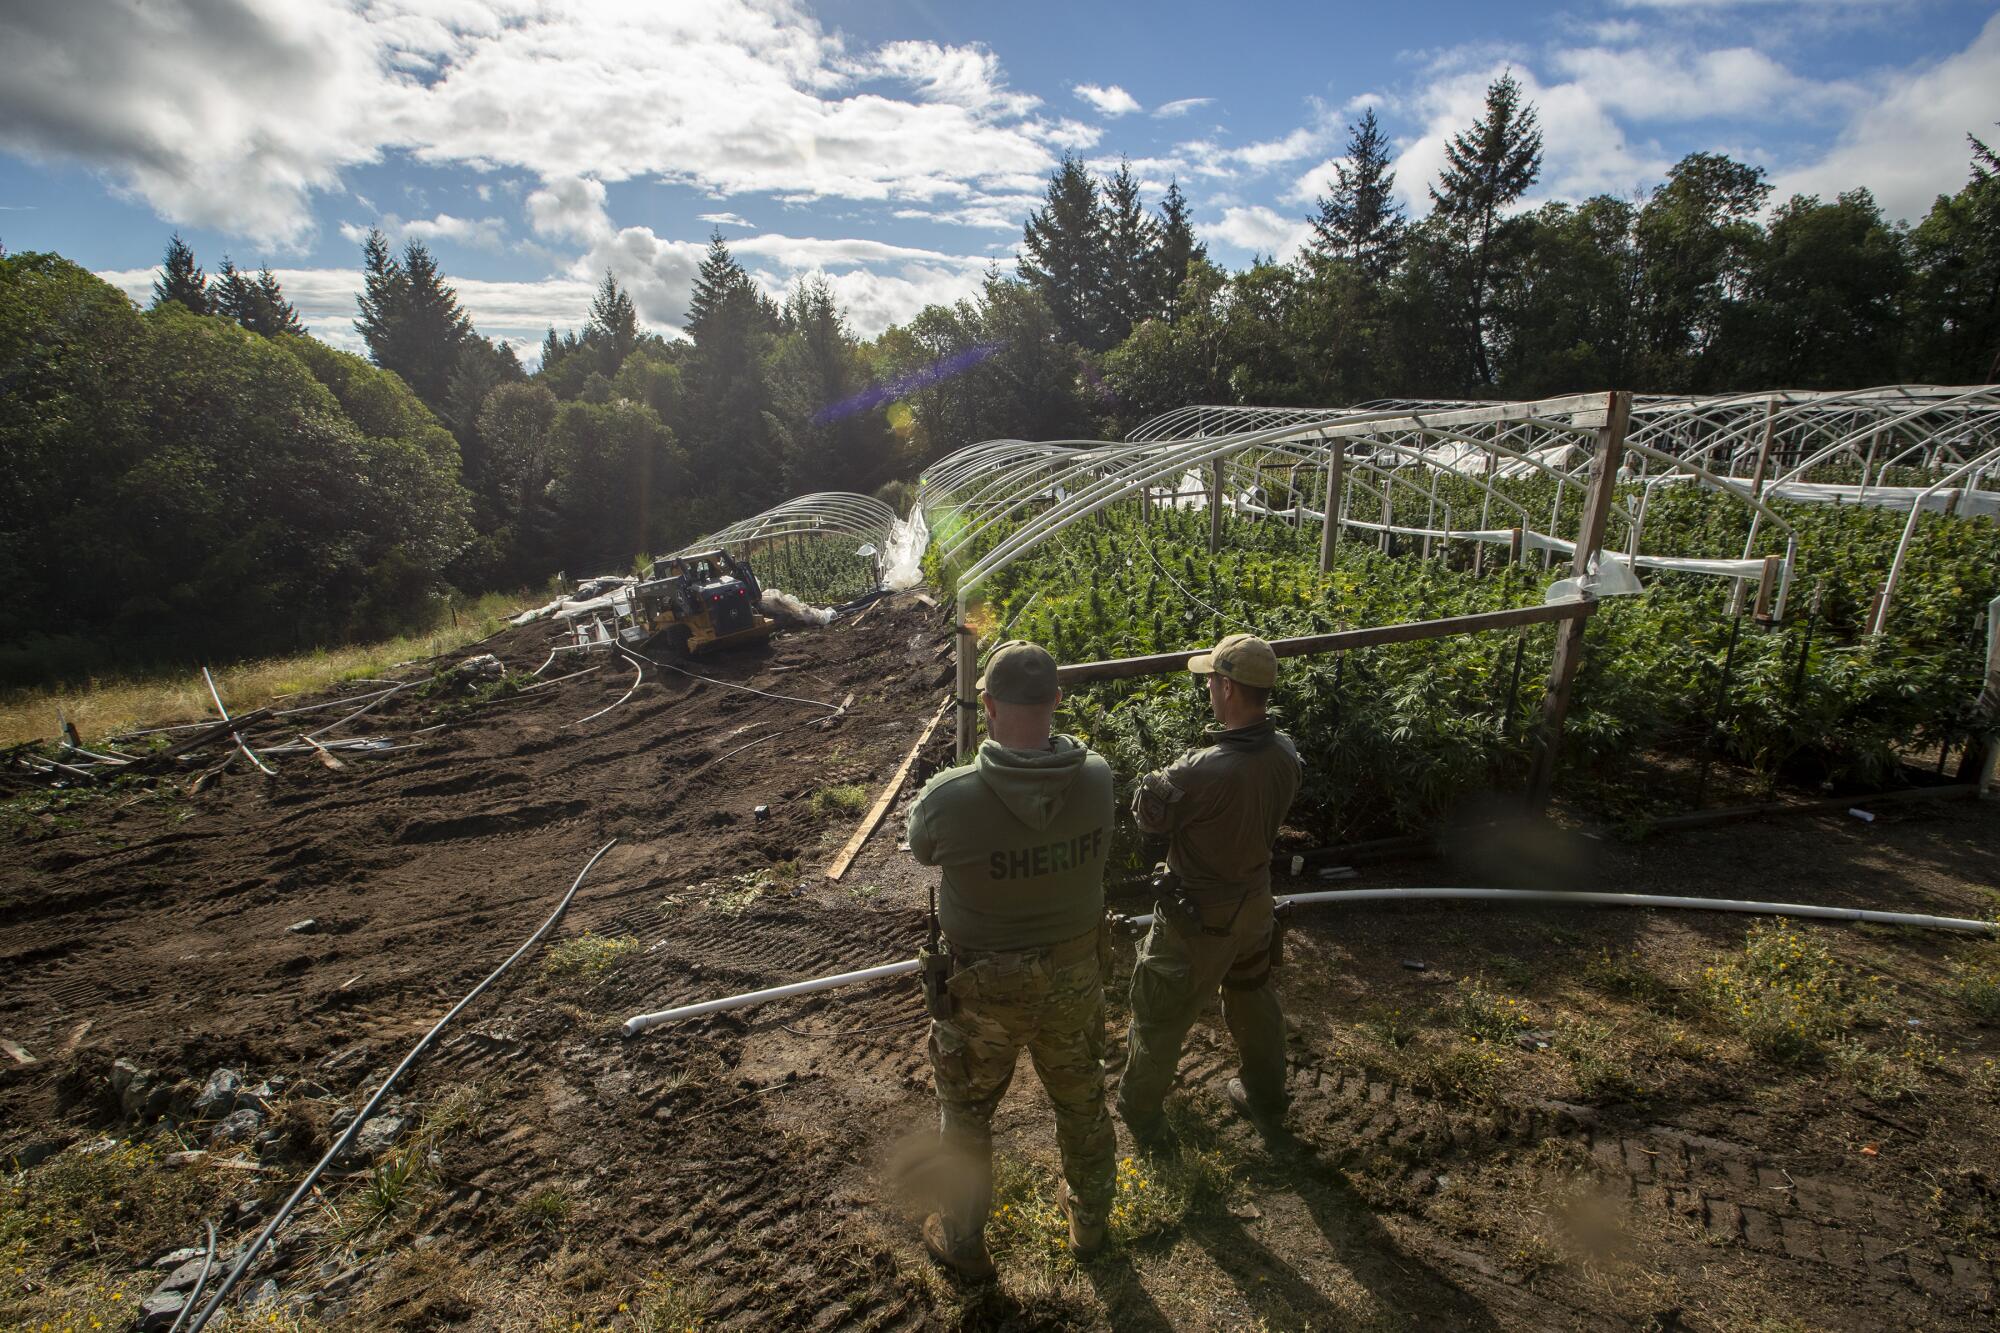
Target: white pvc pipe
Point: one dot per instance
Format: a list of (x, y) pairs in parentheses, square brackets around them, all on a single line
[(640, 1022)]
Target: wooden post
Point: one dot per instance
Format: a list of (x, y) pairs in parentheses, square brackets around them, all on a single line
[(1388, 511), (1989, 701), (1756, 493), (1513, 546), (1569, 636), (965, 684), (1214, 506), (1767, 583), (1329, 532)]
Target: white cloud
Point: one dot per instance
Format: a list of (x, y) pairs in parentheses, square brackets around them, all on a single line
[(967, 76), (1652, 83), (1180, 106), (1309, 187), (228, 114), (570, 208), (480, 233), (723, 219), (1111, 101), (874, 301), (234, 114), (1072, 134), (1262, 230), (1907, 144)]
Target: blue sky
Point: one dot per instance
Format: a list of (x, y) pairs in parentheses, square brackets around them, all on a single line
[(893, 145)]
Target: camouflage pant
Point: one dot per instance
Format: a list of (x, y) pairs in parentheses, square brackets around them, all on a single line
[(1175, 975), (999, 1005)]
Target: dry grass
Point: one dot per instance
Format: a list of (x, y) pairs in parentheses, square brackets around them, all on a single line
[(115, 703)]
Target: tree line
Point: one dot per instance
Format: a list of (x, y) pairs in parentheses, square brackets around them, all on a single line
[(204, 479)]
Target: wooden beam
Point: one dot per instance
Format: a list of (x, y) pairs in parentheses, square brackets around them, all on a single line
[(882, 802), (1767, 583), (1214, 506), (965, 682), (1329, 532), (1569, 639), (1340, 641)]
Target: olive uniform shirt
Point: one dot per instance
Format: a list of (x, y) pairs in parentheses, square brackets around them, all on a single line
[(1220, 807)]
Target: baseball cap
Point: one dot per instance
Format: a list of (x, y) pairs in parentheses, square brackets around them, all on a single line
[(1243, 658), (1020, 672)]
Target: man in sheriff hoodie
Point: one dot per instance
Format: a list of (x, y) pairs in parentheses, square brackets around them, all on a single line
[(1021, 834)]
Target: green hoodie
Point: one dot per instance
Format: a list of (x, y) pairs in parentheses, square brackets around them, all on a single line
[(1022, 836)]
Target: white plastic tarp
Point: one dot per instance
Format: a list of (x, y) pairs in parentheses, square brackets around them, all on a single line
[(903, 561)]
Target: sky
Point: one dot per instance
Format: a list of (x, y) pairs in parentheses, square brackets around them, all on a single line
[(894, 146)]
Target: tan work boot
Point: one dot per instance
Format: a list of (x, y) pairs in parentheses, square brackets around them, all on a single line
[(975, 1264), (1085, 1238)]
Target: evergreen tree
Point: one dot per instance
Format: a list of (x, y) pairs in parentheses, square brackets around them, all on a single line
[(1175, 250), (1130, 238), (181, 279), (733, 457), (1066, 259), (1953, 316), (1359, 219), (232, 296), (410, 317), (1487, 168), (270, 313), (613, 326)]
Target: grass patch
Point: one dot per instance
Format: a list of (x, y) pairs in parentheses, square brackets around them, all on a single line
[(585, 958), (667, 1303), (1604, 1068), (1785, 994), (1391, 1027), (1975, 983), (73, 1228), (547, 1208), (846, 799), (112, 703), (1486, 1015), (1153, 1197)]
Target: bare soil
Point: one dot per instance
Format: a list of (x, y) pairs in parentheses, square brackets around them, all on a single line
[(1643, 1169)]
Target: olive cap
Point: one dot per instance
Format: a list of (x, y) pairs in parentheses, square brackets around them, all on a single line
[(1243, 658), (1020, 672)]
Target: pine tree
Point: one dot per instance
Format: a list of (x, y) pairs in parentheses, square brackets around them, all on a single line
[(232, 295), (1487, 168), (1175, 249), (1359, 219), (268, 312), (1066, 257), (410, 318), (1130, 238), (614, 324), (181, 279), (731, 324)]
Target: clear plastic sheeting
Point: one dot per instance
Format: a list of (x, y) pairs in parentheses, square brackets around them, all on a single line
[(903, 553)]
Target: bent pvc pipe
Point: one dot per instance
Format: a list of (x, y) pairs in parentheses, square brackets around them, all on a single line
[(1554, 898), (1541, 897)]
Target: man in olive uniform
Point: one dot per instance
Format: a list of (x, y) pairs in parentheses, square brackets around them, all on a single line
[(1022, 834), (1220, 807)]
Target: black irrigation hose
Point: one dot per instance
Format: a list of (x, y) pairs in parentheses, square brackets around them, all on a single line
[(354, 1128), (194, 1297)]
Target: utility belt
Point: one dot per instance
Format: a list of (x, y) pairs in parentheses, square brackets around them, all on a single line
[(1184, 914), (939, 962)]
